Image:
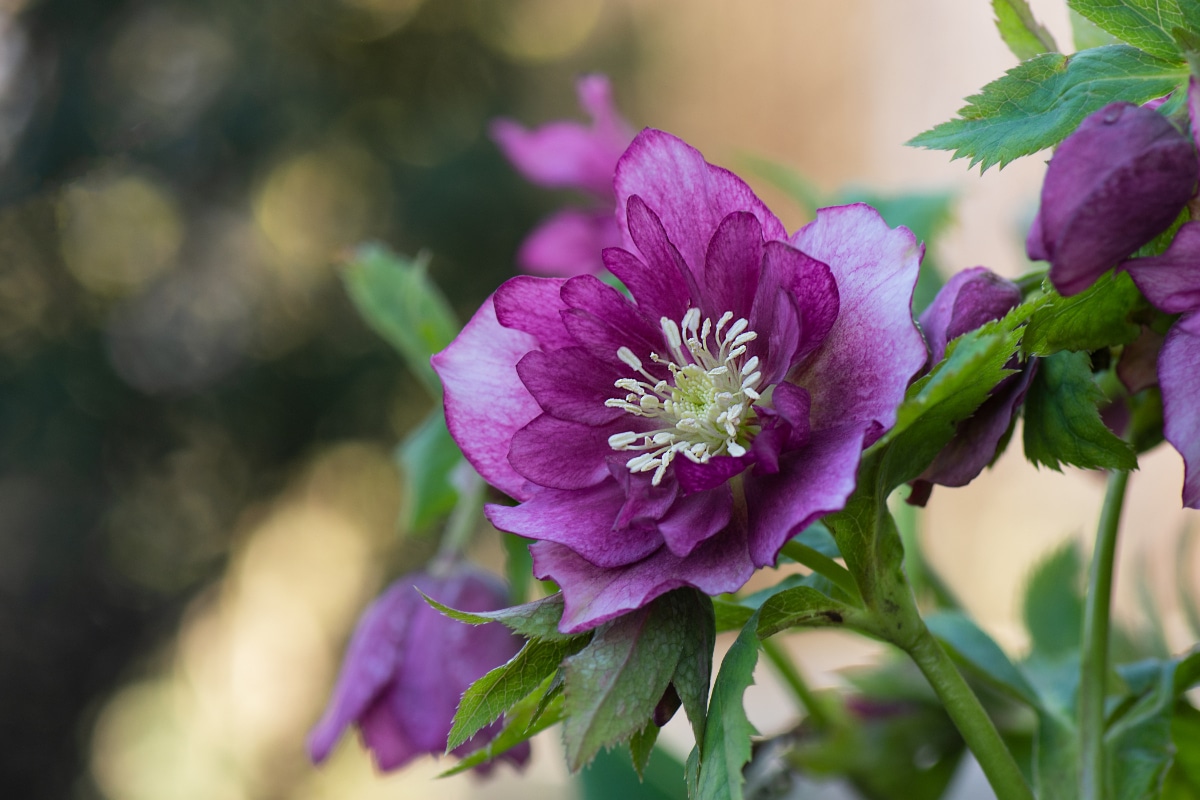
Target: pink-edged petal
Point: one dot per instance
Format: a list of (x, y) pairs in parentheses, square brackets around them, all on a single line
[(665, 285), (594, 594), (485, 401), (812, 290), (689, 195), (571, 385), (581, 520), (812, 481), (569, 243), (559, 155), (862, 368), (596, 98), (1179, 376), (1171, 281), (534, 305), (659, 293), (696, 518), (563, 455), (382, 734), (732, 265), (371, 661)]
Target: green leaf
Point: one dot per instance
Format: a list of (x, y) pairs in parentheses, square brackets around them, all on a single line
[(525, 720), (611, 775), (1056, 757), (1062, 421), (427, 459), (398, 301), (726, 747), (801, 606), (1052, 606), (981, 656), (502, 688), (731, 615), (1183, 777), (693, 673), (1087, 34), (1020, 31), (641, 745), (1145, 24), (1099, 317), (1041, 101), (534, 620), (613, 684)]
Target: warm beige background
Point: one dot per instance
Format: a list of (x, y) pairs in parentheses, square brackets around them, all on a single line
[(832, 87)]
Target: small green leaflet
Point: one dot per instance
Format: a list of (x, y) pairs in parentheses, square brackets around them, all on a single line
[(801, 606), (534, 620), (726, 747), (525, 720), (1145, 24), (1020, 31), (1041, 101), (398, 300), (1062, 422), (427, 458), (1101, 316)]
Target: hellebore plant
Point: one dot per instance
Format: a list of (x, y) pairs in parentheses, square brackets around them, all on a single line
[(733, 398)]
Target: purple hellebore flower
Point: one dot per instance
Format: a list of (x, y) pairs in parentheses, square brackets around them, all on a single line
[(681, 435), (1171, 282), (969, 299), (1113, 185), (408, 665), (573, 156)]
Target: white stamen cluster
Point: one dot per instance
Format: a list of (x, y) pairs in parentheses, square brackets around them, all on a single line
[(705, 409)]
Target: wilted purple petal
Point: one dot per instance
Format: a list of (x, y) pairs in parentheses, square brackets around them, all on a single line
[(1179, 376), (1171, 281), (1119, 180), (569, 243), (863, 367), (1137, 368), (485, 401)]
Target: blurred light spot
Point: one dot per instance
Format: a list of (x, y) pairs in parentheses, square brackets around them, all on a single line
[(118, 231), (315, 203), (374, 19), (537, 30), (167, 68)]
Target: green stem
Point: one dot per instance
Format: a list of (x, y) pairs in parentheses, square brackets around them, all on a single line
[(968, 715), (823, 565), (1093, 678), (460, 527), (787, 669)]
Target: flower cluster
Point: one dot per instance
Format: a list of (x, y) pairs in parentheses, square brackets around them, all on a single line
[(407, 666), (572, 156), (680, 434)]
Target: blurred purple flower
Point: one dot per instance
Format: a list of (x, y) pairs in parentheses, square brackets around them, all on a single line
[(1113, 185), (1171, 282), (681, 436), (569, 155), (970, 299), (408, 665)]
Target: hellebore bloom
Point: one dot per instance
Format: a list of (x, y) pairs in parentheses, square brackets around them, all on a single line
[(970, 299), (1171, 282), (408, 665), (681, 435), (1113, 185), (568, 155)]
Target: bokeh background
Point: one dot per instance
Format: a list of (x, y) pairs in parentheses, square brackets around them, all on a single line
[(197, 489)]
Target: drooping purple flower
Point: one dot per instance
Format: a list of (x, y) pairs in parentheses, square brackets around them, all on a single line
[(970, 299), (680, 435), (408, 665), (1171, 282), (569, 155), (1113, 185)]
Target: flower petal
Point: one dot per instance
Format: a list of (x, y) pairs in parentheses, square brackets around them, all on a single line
[(581, 520), (569, 243), (485, 401), (862, 368), (594, 594), (813, 306), (688, 194), (535, 306), (383, 735), (563, 455), (570, 385), (1171, 281), (601, 319), (664, 286), (696, 518), (969, 299), (1179, 376), (732, 265), (812, 481), (1137, 367)]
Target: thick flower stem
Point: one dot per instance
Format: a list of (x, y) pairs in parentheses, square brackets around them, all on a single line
[(790, 673), (968, 715), (1094, 676)]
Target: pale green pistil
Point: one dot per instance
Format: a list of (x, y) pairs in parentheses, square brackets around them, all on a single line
[(706, 409)]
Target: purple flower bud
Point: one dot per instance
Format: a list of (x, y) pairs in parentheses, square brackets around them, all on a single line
[(1113, 185), (968, 300), (408, 665)]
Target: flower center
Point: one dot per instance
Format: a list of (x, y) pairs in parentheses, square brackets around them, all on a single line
[(705, 410)]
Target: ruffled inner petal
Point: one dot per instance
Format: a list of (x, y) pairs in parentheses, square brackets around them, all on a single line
[(571, 385), (563, 455), (732, 265)]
